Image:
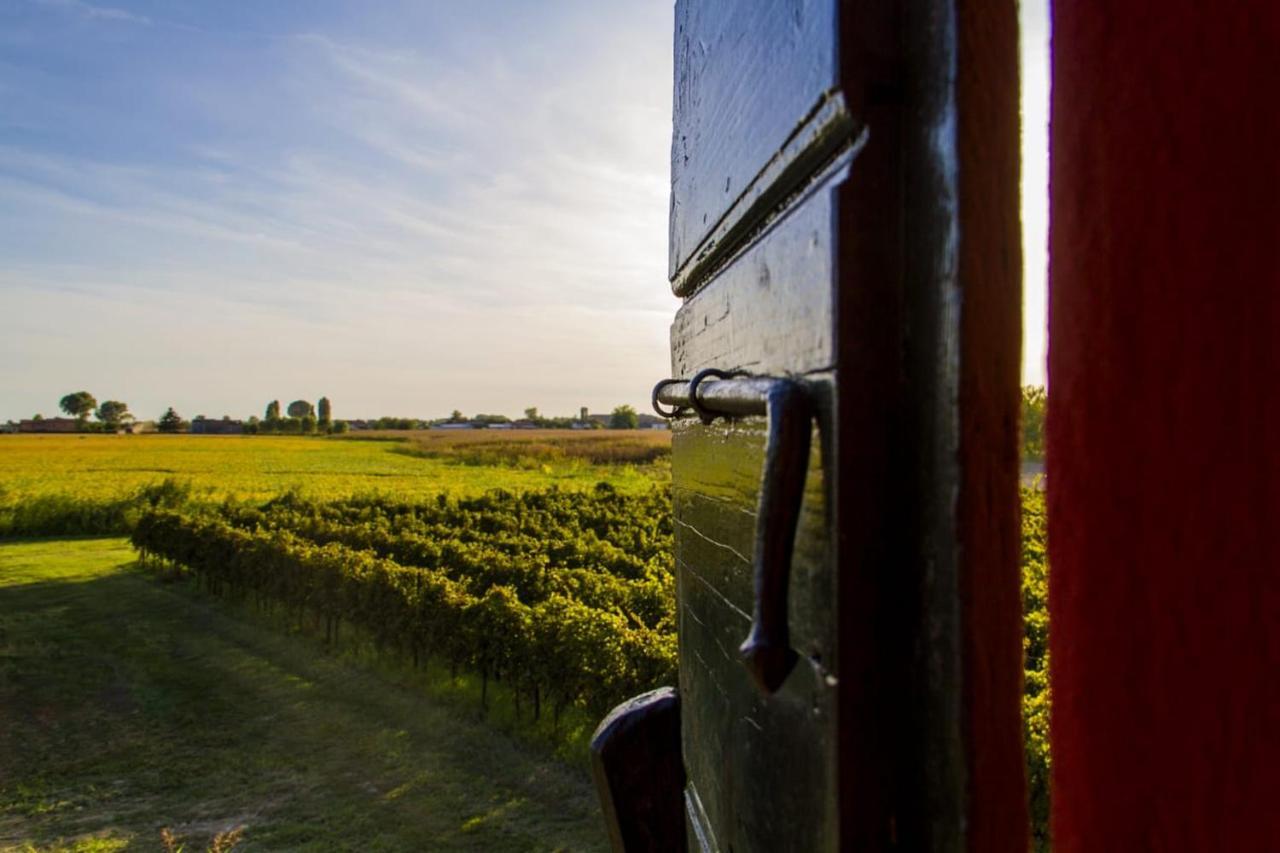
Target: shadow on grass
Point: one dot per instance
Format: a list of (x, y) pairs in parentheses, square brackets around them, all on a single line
[(127, 706)]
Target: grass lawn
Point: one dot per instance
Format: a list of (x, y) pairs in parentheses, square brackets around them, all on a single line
[(128, 706)]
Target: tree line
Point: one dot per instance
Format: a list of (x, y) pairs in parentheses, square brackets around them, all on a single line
[(110, 414), (301, 417), (1035, 404)]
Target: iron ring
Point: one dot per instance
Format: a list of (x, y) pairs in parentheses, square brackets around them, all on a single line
[(704, 413), (675, 411)]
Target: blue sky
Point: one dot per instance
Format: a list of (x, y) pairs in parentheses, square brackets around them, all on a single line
[(409, 207)]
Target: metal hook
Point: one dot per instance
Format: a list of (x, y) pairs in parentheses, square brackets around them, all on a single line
[(704, 413)]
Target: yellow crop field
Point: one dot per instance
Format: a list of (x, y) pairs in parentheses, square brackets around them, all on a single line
[(40, 475)]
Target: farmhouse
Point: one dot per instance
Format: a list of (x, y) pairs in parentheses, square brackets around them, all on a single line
[(48, 425), (208, 426)]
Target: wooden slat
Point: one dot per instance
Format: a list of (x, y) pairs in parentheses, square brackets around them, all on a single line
[(748, 76)]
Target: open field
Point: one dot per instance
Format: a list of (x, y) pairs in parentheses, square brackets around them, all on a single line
[(74, 484), (409, 464), (534, 448), (128, 706)]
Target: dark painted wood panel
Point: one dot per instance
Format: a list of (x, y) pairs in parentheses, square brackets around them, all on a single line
[(868, 273), (763, 771), (770, 311), (747, 77)]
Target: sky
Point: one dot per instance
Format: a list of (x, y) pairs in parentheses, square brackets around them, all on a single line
[(409, 207), (1034, 55)]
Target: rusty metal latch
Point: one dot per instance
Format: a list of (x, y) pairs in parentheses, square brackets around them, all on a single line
[(786, 404)]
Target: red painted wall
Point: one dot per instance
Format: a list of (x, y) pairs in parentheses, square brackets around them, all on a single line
[(1164, 426)]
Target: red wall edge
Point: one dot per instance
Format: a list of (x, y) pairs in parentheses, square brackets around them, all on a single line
[(1164, 426)]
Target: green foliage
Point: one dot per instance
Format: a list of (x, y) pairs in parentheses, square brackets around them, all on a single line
[(1035, 403), (273, 411), (390, 422), (533, 450), (170, 422), (325, 412), (300, 409), (112, 412), (78, 404), (1035, 644), (565, 596), (624, 417), (71, 515)]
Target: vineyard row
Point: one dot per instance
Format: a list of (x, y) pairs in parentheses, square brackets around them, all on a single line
[(557, 650)]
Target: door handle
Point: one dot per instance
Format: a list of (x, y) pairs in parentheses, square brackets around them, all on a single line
[(788, 409)]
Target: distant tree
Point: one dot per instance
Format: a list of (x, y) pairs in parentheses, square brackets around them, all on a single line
[(326, 413), (113, 413), (300, 409), (624, 417), (307, 423), (37, 417), (340, 427), (251, 426), (273, 410), (170, 421), (531, 413), (79, 404), (1035, 403), (387, 422), (457, 417)]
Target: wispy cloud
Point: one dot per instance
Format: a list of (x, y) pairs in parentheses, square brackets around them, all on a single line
[(97, 13), (477, 221)]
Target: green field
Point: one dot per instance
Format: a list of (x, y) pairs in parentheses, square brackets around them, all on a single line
[(97, 484), (129, 706), (259, 467)]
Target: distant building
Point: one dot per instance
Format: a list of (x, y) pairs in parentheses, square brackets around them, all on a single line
[(524, 423), (463, 425), (208, 426), (48, 425), (647, 421), (501, 426)]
